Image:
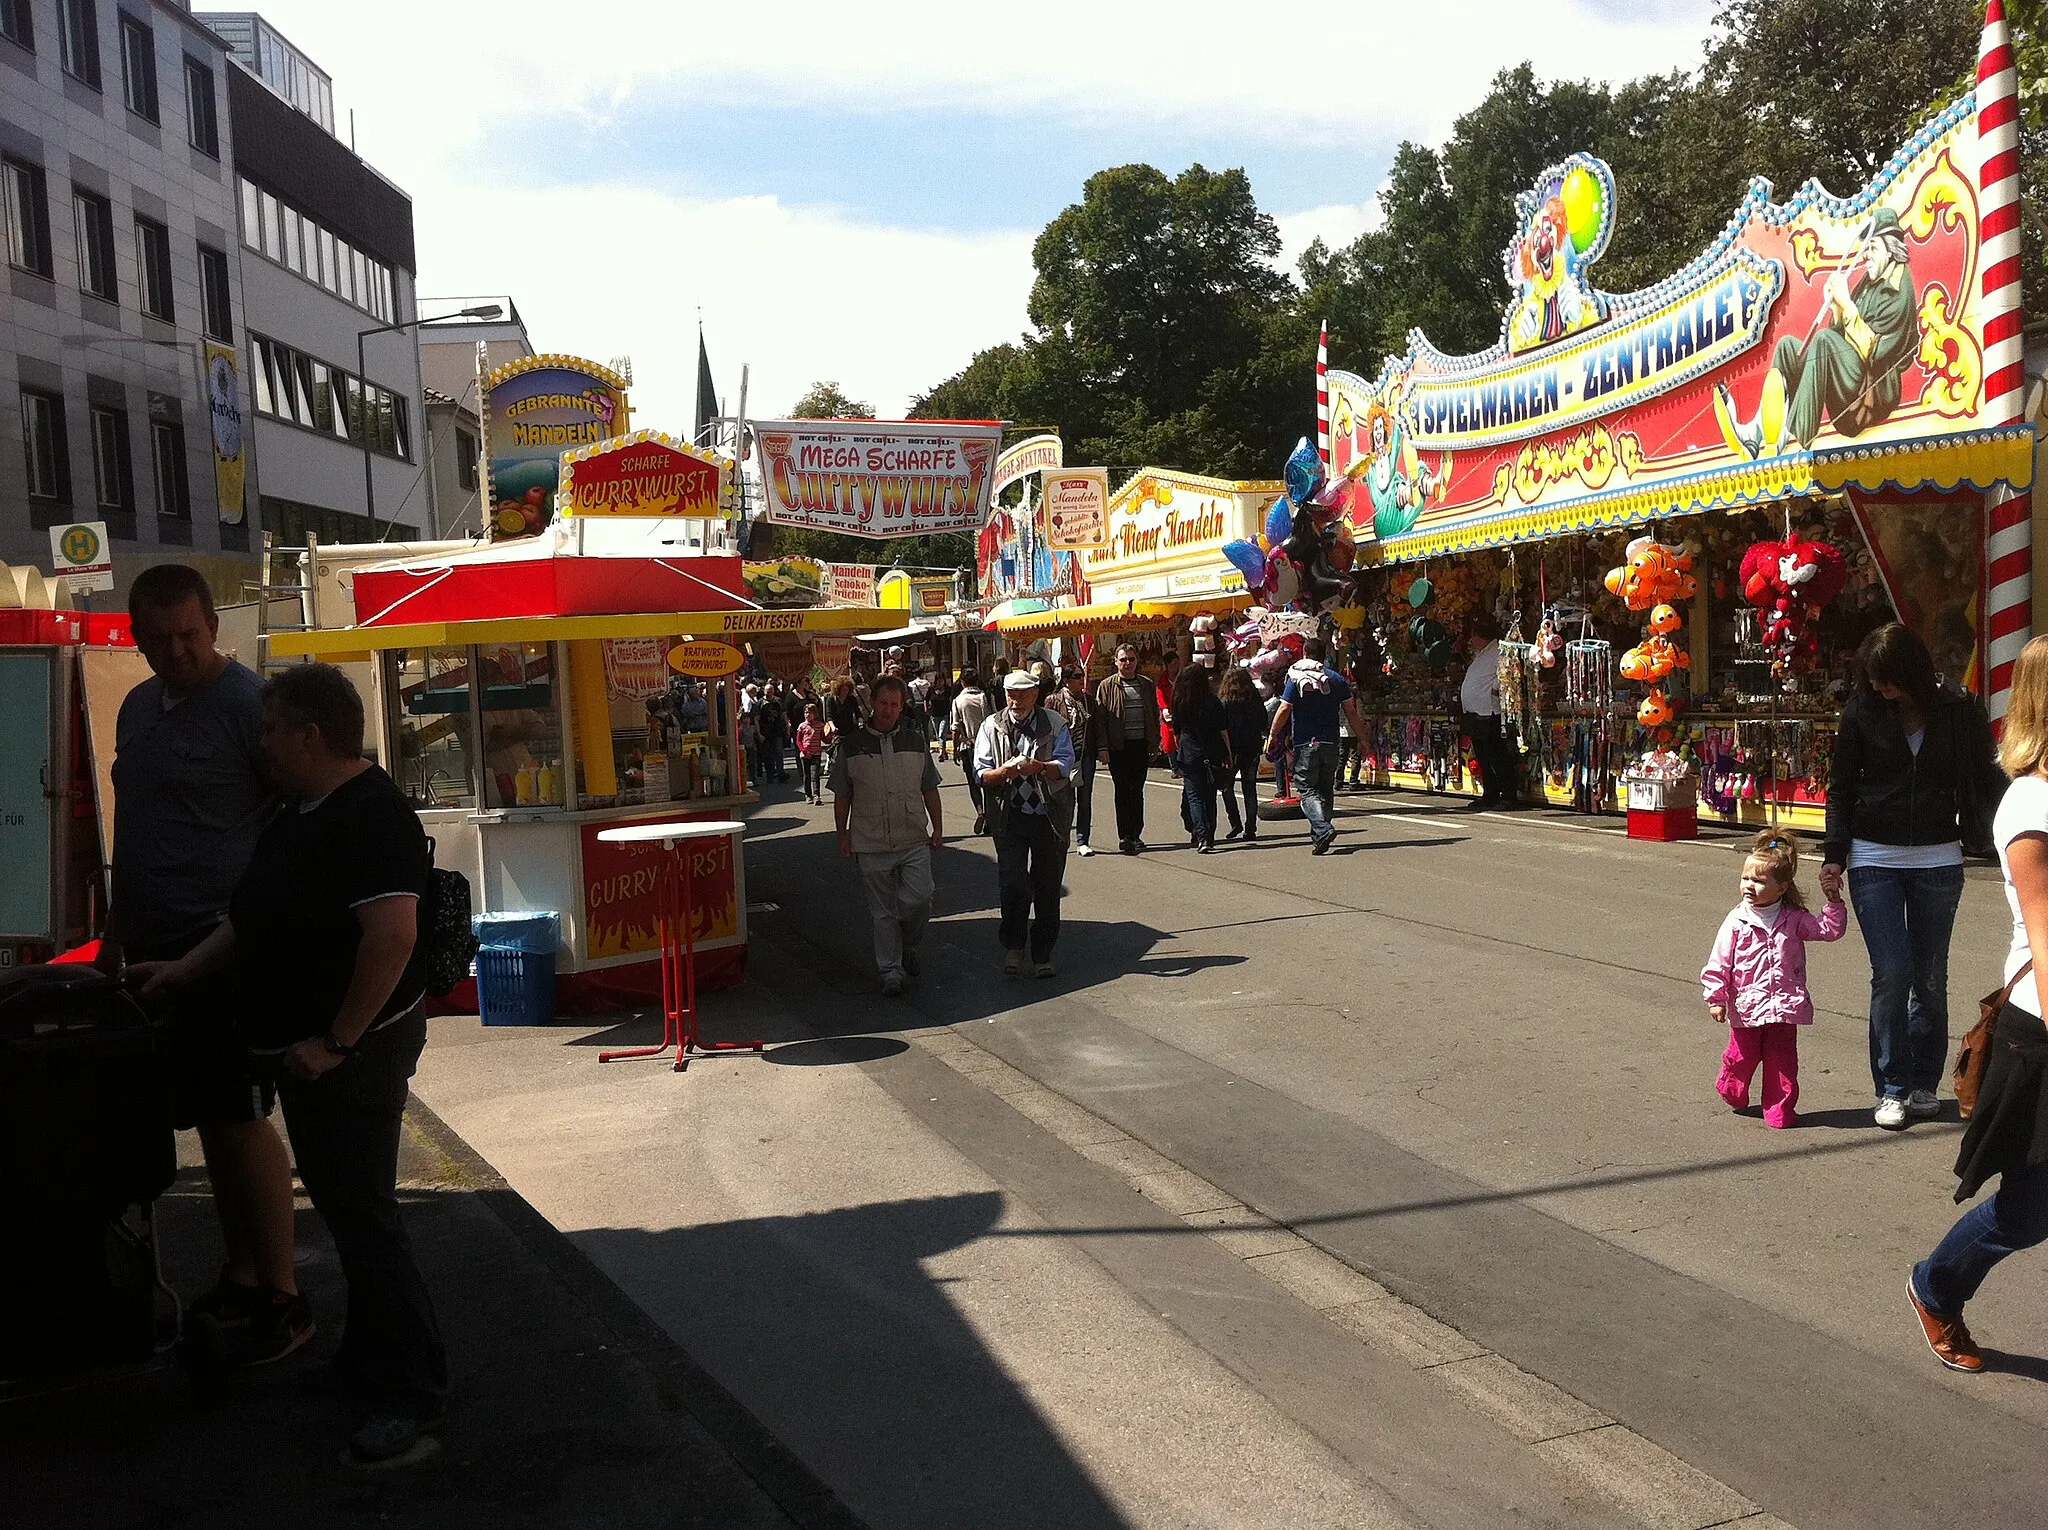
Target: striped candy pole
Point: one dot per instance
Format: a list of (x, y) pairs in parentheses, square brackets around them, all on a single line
[(2009, 534), (1323, 386)]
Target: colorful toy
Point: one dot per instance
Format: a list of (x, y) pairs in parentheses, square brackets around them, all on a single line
[(1788, 582)]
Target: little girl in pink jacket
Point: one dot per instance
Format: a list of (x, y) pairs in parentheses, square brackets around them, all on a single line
[(1756, 979)]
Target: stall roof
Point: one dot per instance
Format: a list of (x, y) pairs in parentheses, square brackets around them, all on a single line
[(1982, 459), (1129, 613), (566, 629)]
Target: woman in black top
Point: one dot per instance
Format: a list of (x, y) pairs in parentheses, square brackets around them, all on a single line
[(321, 932), (1244, 722), (1202, 751), (1913, 777)]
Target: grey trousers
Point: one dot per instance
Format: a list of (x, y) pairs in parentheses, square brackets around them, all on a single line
[(899, 886)]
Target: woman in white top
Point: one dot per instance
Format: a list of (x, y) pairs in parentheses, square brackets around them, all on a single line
[(1913, 776), (2008, 1134)]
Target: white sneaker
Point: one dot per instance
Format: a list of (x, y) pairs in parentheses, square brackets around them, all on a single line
[(1891, 1113), (1921, 1105), (1086, 850)]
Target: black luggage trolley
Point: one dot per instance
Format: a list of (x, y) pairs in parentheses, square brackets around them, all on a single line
[(87, 1147)]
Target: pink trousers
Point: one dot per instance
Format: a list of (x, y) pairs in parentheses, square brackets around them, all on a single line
[(1777, 1048)]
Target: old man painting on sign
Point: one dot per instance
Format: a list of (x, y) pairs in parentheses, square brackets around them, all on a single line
[(1851, 367)]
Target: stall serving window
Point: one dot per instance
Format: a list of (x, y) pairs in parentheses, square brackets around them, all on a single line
[(433, 727), (520, 707)]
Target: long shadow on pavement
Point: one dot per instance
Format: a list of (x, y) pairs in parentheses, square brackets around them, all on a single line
[(855, 1358)]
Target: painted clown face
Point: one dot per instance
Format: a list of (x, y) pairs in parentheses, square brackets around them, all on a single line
[(1543, 243), (1379, 435)]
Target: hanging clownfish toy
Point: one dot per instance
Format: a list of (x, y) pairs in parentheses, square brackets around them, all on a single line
[(1655, 710)]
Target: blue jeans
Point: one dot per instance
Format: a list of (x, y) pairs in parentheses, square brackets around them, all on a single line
[(1198, 799), (1906, 918), (1315, 782), (2014, 1218)]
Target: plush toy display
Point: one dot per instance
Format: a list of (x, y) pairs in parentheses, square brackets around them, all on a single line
[(1789, 582), (1652, 579)]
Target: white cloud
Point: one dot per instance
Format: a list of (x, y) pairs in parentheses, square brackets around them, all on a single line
[(602, 269), (799, 294), (1336, 225)]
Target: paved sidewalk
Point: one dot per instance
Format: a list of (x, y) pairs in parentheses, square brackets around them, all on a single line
[(568, 1407)]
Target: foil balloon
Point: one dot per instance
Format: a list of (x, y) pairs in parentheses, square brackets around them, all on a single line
[(1304, 474), (1248, 560), (1420, 591), (1279, 523)]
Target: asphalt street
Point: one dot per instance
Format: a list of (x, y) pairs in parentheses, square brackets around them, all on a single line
[(1460, 1064)]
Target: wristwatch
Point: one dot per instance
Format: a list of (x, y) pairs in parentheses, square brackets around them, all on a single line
[(333, 1044)]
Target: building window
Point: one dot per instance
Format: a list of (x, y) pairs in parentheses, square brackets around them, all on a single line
[(78, 40), (153, 269), (28, 216), (138, 67), (202, 124), (465, 459), (18, 24), (267, 226), (290, 385), (167, 459), (328, 277), (93, 218), (112, 477), (43, 444), (215, 307)]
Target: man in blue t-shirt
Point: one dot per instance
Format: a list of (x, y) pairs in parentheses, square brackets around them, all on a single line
[(1315, 698)]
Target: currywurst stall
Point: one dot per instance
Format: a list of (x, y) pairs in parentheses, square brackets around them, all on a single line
[(530, 694)]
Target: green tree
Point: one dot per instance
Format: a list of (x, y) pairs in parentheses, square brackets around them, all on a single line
[(825, 401)]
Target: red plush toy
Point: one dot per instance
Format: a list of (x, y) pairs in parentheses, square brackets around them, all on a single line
[(1789, 582)]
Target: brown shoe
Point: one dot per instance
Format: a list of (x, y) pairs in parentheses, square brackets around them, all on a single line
[(1949, 1338)]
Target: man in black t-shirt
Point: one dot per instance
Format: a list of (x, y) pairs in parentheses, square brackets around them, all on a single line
[(321, 933)]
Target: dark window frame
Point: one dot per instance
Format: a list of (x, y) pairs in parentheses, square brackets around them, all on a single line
[(58, 490), (28, 212), (468, 456), (78, 41), (139, 89), (202, 109), (18, 23), (90, 209), (167, 452), (154, 289), (122, 466), (216, 295)]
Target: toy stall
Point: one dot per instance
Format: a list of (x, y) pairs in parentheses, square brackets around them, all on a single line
[(1686, 506), (531, 693)]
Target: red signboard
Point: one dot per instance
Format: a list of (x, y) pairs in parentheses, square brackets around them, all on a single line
[(621, 884), (643, 474)]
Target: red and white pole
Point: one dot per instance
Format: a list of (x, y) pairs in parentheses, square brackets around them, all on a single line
[(1323, 383), (2009, 532)]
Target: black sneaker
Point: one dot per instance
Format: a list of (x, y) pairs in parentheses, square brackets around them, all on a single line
[(1322, 845), (913, 961), (266, 1334)]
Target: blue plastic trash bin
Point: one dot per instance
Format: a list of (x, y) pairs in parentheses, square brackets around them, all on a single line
[(537, 932), (515, 967)]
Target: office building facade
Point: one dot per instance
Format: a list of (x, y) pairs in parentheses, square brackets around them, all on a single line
[(122, 264)]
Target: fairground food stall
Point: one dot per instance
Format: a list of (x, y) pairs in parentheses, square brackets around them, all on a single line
[(1688, 504), (1159, 566), (532, 693)]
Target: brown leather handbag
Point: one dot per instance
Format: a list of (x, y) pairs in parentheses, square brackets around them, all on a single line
[(1975, 1051)]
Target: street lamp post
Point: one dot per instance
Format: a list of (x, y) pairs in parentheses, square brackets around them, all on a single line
[(481, 311)]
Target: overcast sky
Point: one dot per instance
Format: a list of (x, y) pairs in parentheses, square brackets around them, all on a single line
[(851, 191)]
